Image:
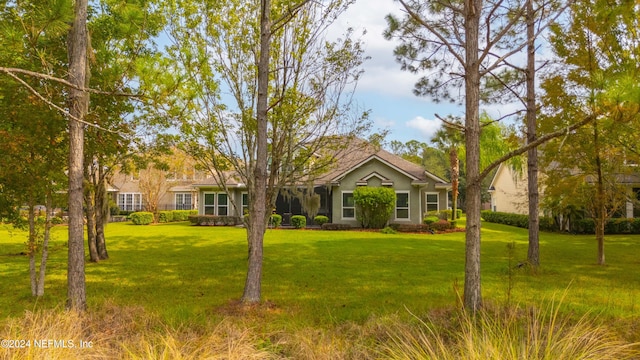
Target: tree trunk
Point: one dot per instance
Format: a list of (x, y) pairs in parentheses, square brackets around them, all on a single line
[(78, 105), (102, 214), (32, 249), (472, 290), (600, 206), (89, 201), (455, 171), (45, 247), (533, 255), (258, 204)]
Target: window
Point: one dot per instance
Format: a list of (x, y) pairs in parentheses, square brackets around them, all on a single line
[(184, 201), (431, 200), (348, 205), (216, 204), (402, 205), (209, 203), (223, 204), (130, 201), (245, 203)]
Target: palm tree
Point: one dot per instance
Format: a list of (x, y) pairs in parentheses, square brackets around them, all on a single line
[(450, 138)]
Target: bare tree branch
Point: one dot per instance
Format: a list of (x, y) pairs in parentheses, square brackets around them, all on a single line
[(541, 140), (13, 71), (63, 111)]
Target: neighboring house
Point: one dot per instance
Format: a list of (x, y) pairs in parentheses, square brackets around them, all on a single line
[(175, 194), (509, 192), (362, 164)]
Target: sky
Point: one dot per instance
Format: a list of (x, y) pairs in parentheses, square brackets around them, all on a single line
[(384, 88)]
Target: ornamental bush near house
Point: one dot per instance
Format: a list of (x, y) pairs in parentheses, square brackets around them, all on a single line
[(275, 220), (374, 205), (430, 219), (332, 226), (183, 215), (320, 220), (445, 214), (141, 218), (412, 228), (298, 221), (165, 216), (214, 220), (441, 225)]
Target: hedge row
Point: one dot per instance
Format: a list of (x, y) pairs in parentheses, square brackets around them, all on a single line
[(444, 214), (439, 225), (332, 226), (583, 226), (175, 215), (141, 218), (518, 220), (613, 226), (214, 220)]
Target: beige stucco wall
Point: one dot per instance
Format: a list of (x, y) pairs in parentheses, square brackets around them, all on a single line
[(510, 193)]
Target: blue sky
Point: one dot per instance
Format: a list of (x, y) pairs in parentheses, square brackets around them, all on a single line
[(384, 88)]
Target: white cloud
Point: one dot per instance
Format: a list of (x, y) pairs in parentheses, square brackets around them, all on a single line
[(426, 127), (382, 73)]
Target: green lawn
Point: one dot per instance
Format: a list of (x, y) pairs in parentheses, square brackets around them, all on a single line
[(186, 273)]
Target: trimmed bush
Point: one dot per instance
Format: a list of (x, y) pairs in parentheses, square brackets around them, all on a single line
[(445, 214), (213, 220), (320, 220), (412, 228), (374, 205), (141, 218), (298, 221), (183, 215), (441, 225), (275, 220), (430, 219), (331, 226), (165, 216)]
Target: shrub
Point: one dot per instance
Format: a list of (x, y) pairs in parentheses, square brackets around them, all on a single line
[(299, 221), (114, 210), (275, 220), (388, 230), (165, 216), (441, 225), (213, 220), (413, 228), (141, 218), (183, 215), (635, 226), (374, 205), (320, 220), (445, 214), (430, 219), (332, 226)]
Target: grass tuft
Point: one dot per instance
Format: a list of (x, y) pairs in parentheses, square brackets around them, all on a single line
[(513, 333)]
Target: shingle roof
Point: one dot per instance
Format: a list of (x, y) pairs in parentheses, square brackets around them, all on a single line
[(359, 152)]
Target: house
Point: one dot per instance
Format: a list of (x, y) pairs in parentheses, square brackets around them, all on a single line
[(130, 193), (508, 190), (361, 164)]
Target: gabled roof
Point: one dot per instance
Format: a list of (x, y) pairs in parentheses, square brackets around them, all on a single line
[(385, 181), (231, 179), (360, 152)]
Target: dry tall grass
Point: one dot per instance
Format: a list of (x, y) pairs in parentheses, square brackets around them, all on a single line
[(132, 333), (128, 333), (541, 334)]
